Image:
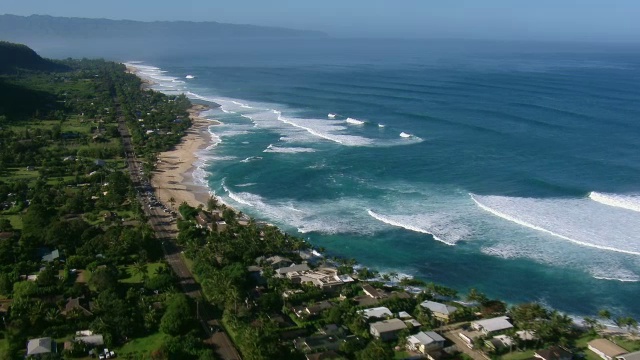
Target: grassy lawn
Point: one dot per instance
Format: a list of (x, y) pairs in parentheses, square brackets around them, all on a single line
[(581, 344), (61, 179), (518, 355), (137, 278), (399, 355), (21, 174), (143, 345), (629, 345), (16, 220)]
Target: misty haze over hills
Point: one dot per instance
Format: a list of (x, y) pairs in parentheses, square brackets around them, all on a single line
[(42, 27)]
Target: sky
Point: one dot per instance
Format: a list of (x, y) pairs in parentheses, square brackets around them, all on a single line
[(564, 20)]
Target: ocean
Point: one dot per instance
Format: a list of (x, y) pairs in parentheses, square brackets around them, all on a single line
[(512, 168)]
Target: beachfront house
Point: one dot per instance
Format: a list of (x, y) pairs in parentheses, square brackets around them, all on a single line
[(606, 349), (377, 312), (292, 270), (425, 341), (492, 326), (372, 292), (441, 311), (387, 330), (554, 353), (276, 262), (203, 220)]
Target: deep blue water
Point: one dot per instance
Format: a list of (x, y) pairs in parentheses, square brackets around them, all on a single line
[(509, 167)]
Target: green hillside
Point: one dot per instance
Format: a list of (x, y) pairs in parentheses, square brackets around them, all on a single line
[(14, 57)]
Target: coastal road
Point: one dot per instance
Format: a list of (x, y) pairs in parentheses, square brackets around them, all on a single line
[(166, 231), (462, 346)]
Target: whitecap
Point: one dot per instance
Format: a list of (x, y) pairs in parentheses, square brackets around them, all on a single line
[(580, 221), (354, 121), (331, 116), (251, 158), (287, 150), (629, 202), (614, 274), (440, 226), (405, 135)]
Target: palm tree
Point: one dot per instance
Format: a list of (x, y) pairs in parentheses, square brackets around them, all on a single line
[(604, 314), (52, 315), (139, 268)]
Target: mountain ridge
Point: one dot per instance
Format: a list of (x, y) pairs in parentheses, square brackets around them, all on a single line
[(18, 28)]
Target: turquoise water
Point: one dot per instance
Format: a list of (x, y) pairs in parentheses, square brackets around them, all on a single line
[(512, 168)]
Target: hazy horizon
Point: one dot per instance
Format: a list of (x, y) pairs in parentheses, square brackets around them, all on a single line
[(584, 21)]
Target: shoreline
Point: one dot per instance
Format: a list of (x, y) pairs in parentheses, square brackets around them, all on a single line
[(173, 176)]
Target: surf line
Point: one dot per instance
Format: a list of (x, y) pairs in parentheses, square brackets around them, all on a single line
[(406, 227), (535, 227)]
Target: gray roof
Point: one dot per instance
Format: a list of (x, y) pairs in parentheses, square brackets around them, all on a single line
[(630, 356), (277, 259), (95, 340), (51, 256), (39, 346), (427, 338), (388, 325), (495, 324), (436, 307), (293, 268)]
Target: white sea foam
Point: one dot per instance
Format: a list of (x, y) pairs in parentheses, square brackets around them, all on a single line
[(331, 116), (223, 158), (441, 227), (246, 184), (251, 158), (615, 274), (190, 77), (287, 150), (327, 217), (580, 221), (380, 125), (354, 121), (629, 202)]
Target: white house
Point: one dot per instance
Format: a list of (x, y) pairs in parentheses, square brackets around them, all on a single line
[(440, 311), (425, 342), (492, 326), (377, 312)]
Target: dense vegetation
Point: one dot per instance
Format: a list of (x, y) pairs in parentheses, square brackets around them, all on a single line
[(76, 252), (14, 57)]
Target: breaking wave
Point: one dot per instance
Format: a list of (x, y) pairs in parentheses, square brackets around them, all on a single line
[(442, 229), (629, 202), (579, 221), (287, 150), (354, 121)]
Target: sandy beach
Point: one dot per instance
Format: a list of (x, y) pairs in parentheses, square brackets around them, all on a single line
[(173, 175)]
